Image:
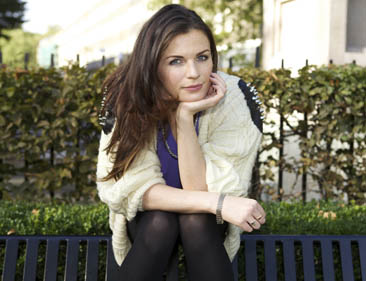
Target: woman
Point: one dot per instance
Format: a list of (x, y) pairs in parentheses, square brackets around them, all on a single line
[(168, 100)]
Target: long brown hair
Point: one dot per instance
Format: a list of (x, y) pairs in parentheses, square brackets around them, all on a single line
[(134, 89)]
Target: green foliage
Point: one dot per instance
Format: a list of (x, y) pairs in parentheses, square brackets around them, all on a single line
[(317, 218), (325, 109), (31, 218), (49, 123), (11, 15), (14, 50)]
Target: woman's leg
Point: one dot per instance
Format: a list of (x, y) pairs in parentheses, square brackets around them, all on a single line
[(154, 234), (202, 240)]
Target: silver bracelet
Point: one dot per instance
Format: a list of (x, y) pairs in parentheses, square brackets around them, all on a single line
[(220, 202)]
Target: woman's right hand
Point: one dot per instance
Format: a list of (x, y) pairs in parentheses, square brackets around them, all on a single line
[(215, 93), (246, 213)]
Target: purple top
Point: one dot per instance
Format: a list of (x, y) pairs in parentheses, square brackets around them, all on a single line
[(169, 165)]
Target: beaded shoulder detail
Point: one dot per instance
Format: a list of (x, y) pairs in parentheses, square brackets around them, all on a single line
[(107, 119), (253, 102)]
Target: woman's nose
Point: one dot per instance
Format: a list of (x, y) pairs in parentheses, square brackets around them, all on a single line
[(192, 70)]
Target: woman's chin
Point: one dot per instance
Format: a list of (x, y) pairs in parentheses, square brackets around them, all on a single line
[(192, 97)]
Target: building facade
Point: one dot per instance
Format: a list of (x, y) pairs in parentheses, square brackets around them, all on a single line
[(107, 28), (313, 30)]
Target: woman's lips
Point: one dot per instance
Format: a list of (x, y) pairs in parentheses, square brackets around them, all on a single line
[(193, 88)]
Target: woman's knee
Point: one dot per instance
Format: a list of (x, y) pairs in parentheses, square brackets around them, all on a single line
[(201, 227), (158, 228), (160, 221), (197, 223)]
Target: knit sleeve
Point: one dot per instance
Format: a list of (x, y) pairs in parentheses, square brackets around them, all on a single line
[(233, 141), (124, 196)]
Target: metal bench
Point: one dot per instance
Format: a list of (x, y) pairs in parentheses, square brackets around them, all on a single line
[(265, 257)]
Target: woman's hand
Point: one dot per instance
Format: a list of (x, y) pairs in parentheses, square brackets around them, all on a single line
[(215, 93), (243, 212)]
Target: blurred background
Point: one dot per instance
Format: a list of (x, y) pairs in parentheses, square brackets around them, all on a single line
[(89, 30), (248, 32)]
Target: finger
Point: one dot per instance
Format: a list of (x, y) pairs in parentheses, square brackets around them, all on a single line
[(261, 220), (246, 227), (254, 223), (259, 210), (216, 76), (215, 98), (259, 216), (218, 79), (211, 92), (219, 82), (219, 90)]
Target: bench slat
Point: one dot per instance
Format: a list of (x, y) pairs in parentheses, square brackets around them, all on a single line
[(308, 260), (346, 259), (251, 260), (11, 255), (289, 260), (72, 258), (362, 251), (51, 260), (270, 260), (30, 266), (327, 260), (92, 260)]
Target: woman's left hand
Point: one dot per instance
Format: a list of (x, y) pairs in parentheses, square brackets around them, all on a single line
[(215, 93)]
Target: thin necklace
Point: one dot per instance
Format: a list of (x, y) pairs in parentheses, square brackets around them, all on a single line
[(165, 139)]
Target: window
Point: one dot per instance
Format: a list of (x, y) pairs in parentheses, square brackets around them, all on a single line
[(356, 26)]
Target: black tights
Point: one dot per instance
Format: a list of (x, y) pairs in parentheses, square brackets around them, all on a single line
[(155, 234)]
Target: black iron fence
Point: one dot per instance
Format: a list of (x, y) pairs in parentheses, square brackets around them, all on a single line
[(89, 66)]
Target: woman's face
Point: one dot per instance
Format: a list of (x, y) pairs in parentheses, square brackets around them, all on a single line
[(186, 65)]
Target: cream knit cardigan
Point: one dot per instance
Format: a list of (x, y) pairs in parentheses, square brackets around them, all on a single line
[(229, 141)]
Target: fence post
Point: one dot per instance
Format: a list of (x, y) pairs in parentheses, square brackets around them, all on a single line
[(26, 61), (103, 60), (351, 142), (1, 160), (52, 60), (256, 189), (257, 56), (26, 162), (230, 63), (78, 59), (280, 171), (304, 135)]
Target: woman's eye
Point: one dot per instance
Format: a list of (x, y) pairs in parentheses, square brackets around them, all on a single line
[(202, 57), (175, 61)]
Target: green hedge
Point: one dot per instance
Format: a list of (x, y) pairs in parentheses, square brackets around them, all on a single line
[(50, 134), (325, 109), (50, 131), (26, 218)]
